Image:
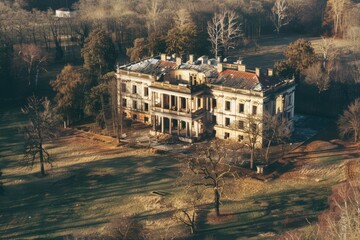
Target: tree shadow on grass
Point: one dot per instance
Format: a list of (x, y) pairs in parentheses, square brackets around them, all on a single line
[(282, 211)]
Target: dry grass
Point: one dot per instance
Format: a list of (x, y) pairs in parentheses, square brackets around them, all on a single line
[(94, 181)]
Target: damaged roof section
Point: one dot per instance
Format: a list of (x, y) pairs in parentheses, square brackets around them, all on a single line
[(246, 80), (228, 75), (150, 66)]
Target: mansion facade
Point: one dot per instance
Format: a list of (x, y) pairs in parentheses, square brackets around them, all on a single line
[(202, 97)]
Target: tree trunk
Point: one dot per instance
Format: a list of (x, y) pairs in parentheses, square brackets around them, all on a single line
[(268, 152), (252, 158), (42, 161), (217, 201)]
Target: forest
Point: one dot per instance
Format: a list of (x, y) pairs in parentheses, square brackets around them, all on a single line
[(141, 28)]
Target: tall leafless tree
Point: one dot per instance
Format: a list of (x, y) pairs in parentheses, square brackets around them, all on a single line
[(212, 163), (335, 11), (276, 130), (42, 125), (280, 15), (214, 29), (34, 59), (253, 130)]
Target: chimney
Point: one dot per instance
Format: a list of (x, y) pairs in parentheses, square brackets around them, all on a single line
[(218, 58), (209, 62), (174, 55), (163, 57), (270, 72), (191, 58), (178, 61), (220, 67), (257, 71), (241, 68)]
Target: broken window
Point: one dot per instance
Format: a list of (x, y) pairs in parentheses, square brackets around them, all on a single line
[(254, 110), (124, 102), (227, 121)]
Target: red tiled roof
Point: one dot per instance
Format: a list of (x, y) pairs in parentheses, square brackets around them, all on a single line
[(237, 79), (165, 64)]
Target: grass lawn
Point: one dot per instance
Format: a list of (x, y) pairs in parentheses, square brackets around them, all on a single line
[(93, 181)]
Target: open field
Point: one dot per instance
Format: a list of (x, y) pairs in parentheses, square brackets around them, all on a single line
[(92, 181), (271, 49)]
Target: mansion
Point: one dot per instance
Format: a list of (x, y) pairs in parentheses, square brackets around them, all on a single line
[(202, 97)]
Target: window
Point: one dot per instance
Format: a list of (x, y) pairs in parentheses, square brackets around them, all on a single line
[(227, 121), (214, 119), (146, 107), (240, 138), (146, 119), (241, 108), (146, 91), (214, 103), (134, 104), (123, 87), (226, 135), (134, 89), (124, 102), (254, 110), (134, 117), (241, 124), (227, 105), (198, 102)]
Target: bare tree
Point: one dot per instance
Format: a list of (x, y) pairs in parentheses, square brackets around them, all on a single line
[(280, 15), (223, 30), (349, 121), (316, 75), (253, 131), (42, 123), (335, 11), (211, 164), (328, 50), (341, 221), (276, 130), (34, 59), (214, 29), (230, 29)]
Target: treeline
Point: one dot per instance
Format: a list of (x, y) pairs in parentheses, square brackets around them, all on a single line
[(42, 5), (141, 28)]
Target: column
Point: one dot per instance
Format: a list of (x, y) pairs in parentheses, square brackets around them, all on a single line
[(170, 102), (179, 127), (162, 124), (196, 129), (187, 129), (170, 127), (162, 100), (178, 104), (154, 122)]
